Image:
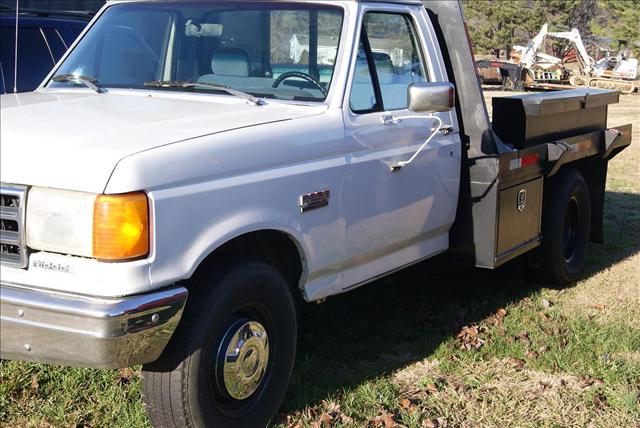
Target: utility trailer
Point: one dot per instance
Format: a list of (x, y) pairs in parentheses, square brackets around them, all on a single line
[(510, 73)]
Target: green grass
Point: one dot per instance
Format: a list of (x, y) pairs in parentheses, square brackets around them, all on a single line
[(396, 329), (355, 350), (41, 395), (389, 353)]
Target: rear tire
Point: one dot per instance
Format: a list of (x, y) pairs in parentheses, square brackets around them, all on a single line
[(201, 380), (566, 222)]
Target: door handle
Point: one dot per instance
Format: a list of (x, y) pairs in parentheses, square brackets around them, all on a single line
[(445, 129), (389, 119)]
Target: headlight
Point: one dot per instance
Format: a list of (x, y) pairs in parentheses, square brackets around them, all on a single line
[(60, 221), (107, 227)]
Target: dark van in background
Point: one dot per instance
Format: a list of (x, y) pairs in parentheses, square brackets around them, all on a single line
[(46, 29)]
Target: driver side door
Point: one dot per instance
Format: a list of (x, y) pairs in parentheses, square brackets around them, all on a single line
[(395, 217)]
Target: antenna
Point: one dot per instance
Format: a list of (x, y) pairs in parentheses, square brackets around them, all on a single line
[(15, 57)]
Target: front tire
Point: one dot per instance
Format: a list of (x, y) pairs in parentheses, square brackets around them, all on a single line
[(230, 360), (566, 223)]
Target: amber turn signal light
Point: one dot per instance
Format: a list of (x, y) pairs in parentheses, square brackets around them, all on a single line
[(120, 226)]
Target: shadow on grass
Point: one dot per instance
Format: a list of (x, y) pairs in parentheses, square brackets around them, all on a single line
[(401, 319)]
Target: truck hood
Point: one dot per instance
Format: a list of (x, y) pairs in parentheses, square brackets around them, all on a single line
[(74, 139)]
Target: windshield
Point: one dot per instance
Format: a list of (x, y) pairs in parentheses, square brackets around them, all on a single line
[(268, 49)]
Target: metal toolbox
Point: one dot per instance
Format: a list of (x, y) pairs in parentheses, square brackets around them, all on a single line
[(519, 219), (526, 120)]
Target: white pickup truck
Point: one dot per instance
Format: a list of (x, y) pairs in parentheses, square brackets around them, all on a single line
[(190, 168)]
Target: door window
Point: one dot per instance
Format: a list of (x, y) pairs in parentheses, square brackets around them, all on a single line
[(363, 97), (390, 50)]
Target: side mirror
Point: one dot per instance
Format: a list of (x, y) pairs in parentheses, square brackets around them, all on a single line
[(431, 97)]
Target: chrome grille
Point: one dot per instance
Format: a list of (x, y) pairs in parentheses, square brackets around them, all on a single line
[(13, 251)]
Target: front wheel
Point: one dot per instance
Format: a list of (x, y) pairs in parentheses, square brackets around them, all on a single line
[(566, 223), (230, 360)]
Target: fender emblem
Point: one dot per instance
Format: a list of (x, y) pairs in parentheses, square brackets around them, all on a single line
[(314, 200), (522, 199)]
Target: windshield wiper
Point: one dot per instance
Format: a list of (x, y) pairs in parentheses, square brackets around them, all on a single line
[(181, 84), (89, 82)]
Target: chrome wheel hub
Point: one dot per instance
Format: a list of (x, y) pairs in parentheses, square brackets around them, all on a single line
[(244, 359)]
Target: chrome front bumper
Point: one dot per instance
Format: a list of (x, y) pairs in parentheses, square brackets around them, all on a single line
[(74, 330)]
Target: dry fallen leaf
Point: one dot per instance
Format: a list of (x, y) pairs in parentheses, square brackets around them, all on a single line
[(34, 382), (386, 420), (532, 354), (501, 312), (428, 423), (517, 363), (331, 407), (469, 331), (405, 403), (598, 306), (469, 337), (432, 388), (125, 374), (345, 419), (545, 303), (324, 420)]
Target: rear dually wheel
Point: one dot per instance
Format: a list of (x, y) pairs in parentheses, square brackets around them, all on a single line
[(566, 223)]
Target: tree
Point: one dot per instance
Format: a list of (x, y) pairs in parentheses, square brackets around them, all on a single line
[(493, 24), (582, 15), (557, 13), (498, 24), (621, 20)]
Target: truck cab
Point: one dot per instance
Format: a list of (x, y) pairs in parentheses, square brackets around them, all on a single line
[(190, 170)]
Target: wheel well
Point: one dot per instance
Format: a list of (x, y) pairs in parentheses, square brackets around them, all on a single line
[(276, 248)]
